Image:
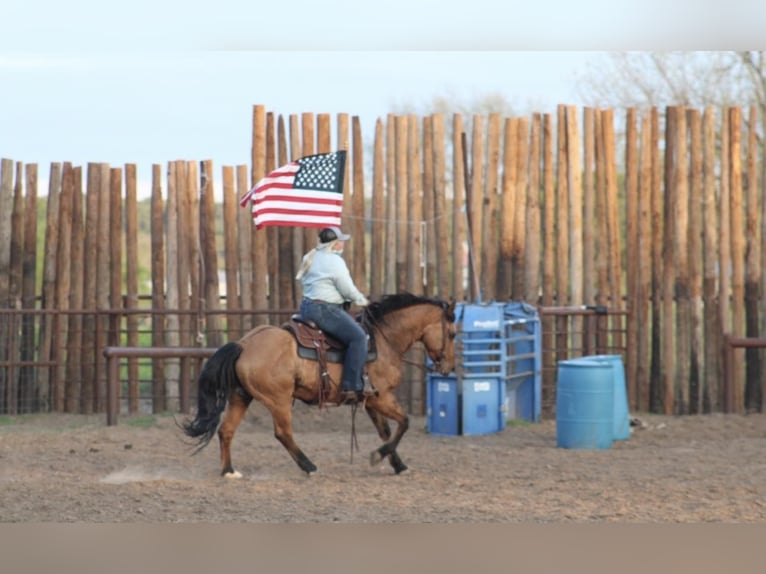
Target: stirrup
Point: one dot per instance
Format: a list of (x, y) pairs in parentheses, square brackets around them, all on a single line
[(369, 390), (350, 397)]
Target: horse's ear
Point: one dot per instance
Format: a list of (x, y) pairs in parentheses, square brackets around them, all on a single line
[(451, 306)]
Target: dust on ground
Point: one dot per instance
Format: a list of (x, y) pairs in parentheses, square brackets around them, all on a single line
[(73, 468)]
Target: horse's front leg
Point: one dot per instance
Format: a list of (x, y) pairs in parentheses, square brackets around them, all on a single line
[(384, 431), (387, 407)]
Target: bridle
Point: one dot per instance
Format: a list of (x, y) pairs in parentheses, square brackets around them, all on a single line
[(445, 335), (436, 363)]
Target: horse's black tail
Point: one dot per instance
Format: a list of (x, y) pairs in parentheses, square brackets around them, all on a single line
[(215, 381)]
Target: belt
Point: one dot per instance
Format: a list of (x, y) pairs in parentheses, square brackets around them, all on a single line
[(322, 302)]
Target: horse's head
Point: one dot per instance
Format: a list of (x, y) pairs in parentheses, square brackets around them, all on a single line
[(439, 339)]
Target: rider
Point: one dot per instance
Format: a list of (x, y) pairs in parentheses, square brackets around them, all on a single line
[(327, 285)]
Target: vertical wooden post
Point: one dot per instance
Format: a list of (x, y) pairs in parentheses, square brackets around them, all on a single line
[(492, 198), (713, 328), (641, 315), (476, 202), (115, 230), (72, 377), (115, 258), (323, 143), (518, 288), (49, 282), (696, 230), (63, 284), (171, 367), (589, 227), (131, 266), (440, 208), (28, 390), (414, 191), (429, 223), (602, 230), (402, 231), (159, 401), (272, 233), (562, 236), (9, 324), (415, 261), (103, 282), (533, 247), (6, 209), (755, 377), (655, 391), (762, 291), (669, 259), (389, 273), (210, 293), (245, 238), (614, 239), (230, 237), (459, 255), (401, 219), (297, 232), (575, 200), (508, 207), (187, 288), (724, 252), (288, 260), (378, 214), (359, 261), (680, 210), (259, 247), (89, 350), (307, 148), (547, 323), (632, 219), (737, 230), (195, 325)]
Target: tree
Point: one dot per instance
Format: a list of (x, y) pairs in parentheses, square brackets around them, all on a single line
[(695, 79)]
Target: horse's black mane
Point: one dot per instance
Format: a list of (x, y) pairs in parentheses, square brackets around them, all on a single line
[(376, 310)]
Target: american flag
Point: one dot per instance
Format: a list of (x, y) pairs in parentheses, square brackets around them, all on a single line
[(307, 192)]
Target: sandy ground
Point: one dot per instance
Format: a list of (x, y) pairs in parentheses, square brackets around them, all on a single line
[(671, 470)]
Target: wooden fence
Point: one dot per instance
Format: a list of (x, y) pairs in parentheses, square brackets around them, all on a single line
[(553, 209)]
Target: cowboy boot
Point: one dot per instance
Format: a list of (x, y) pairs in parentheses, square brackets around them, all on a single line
[(349, 397)]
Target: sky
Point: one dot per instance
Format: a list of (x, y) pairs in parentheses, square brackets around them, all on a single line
[(153, 81)]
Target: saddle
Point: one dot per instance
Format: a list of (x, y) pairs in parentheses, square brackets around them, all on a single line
[(316, 345)]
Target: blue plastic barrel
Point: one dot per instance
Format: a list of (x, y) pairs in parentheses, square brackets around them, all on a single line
[(585, 404), (621, 413)]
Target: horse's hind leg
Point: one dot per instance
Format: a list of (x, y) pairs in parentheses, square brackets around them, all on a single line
[(282, 415), (232, 416), (387, 407), (384, 431)]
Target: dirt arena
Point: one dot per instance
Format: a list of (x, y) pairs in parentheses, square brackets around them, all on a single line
[(671, 470)]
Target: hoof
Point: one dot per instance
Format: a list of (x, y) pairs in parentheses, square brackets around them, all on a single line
[(308, 468), (375, 458), (233, 474)]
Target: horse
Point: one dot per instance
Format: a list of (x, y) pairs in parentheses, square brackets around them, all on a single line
[(264, 364)]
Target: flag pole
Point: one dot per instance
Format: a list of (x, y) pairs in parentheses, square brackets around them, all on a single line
[(475, 289)]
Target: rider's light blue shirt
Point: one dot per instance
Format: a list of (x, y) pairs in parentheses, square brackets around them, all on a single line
[(328, 279)]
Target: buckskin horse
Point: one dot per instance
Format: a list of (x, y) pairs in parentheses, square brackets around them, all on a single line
[(265, 365)]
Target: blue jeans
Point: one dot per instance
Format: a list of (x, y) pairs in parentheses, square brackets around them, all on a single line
[(334, 321)]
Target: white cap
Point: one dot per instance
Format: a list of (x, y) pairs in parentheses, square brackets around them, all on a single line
[(337, 232)]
